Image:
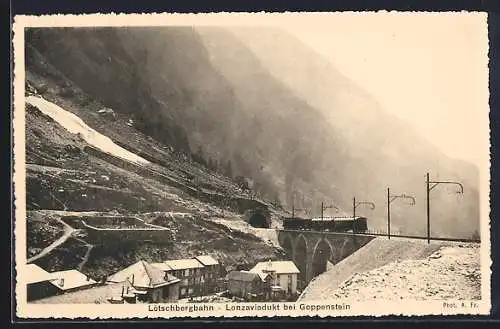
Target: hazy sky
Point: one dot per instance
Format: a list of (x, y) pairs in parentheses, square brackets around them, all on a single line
[(430, 69)]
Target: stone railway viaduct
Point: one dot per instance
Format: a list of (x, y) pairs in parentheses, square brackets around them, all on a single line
[(311, 250)]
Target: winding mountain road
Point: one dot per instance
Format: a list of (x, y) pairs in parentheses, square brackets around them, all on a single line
[(68, 231)]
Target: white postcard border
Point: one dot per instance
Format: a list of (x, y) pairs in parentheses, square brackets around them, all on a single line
[(25, 310)]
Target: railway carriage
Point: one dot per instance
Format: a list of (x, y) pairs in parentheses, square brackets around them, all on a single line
[(327, 224), (300, 224), (344, 224)]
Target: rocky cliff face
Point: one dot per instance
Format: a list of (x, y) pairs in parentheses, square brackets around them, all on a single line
[(286, 118)]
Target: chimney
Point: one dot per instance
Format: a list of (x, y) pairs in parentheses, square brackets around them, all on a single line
[(61, 282), (133, 279), (122, 290)]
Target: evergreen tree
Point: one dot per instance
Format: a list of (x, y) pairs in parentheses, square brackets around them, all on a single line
[(212, 164), (228, 169), (198, 156)]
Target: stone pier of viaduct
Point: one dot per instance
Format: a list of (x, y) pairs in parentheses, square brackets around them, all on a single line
[(312, 250)]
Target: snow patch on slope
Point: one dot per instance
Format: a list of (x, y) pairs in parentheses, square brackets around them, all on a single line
[(75, 125)]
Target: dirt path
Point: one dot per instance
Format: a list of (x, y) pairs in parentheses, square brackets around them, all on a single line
[(87, 254), (68, 230)]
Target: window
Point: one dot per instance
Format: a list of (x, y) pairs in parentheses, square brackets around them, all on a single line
[(183, 291), (166, 291), (156, 295), (186, 272), (143, 298)]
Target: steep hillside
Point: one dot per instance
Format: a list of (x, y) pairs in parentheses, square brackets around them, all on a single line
[(363, 151), (191, 235), (65, 180), (67, 176), (285, 118)]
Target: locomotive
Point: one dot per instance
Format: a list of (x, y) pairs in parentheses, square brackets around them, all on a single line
[(326, 224)]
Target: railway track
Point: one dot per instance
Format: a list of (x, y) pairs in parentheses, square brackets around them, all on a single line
[(423, 237), (417, 237)]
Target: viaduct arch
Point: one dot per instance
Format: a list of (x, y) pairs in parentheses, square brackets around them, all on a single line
[(311, 251)]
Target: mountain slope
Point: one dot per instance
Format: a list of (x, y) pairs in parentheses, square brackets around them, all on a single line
[(366, 150), (285, 118), (65, 180)]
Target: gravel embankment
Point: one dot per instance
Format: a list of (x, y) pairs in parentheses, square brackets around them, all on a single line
[(377, 253), (449, 273)]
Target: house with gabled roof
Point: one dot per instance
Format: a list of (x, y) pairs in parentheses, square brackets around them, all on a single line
[(207, 260), (41, 284), (150, 283), (183, 264), (71, 280), (113, 293), (248, 285), (38, 282), (199, 275), (190, 272), (210, 273), (283, 276)]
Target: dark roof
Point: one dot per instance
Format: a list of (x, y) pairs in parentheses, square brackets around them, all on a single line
[(325, 218), (336, 218), (243, 276)]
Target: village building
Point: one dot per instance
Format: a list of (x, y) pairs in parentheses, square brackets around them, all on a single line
[(210, 273), (150, 283), (71, 280), (104, 294), (249, 286), (38, 283), (199, 275), (189, 271), (283, 276), (41, 284)]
